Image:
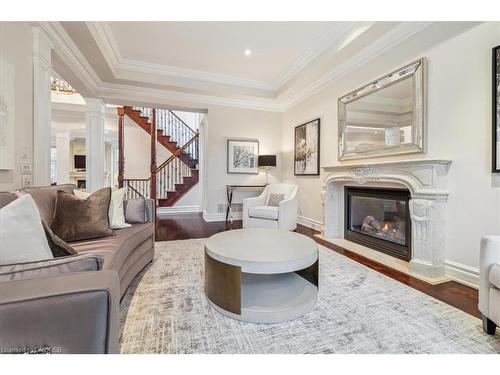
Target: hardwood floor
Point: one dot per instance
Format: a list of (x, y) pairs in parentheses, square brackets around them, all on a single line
[(187, 226)]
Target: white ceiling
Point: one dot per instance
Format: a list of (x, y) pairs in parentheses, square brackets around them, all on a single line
[(194, 64), (218, 47)]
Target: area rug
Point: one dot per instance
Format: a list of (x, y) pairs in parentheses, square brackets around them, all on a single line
[(359, 311)]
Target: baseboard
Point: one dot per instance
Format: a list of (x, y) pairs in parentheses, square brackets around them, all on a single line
[(462, 274), (221, 216), (177, 210), (310, 223)]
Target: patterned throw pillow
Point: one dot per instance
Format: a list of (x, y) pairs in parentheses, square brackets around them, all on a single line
[(275, 199)]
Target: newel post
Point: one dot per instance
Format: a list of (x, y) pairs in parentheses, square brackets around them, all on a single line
[(153, 156), (121, 157)]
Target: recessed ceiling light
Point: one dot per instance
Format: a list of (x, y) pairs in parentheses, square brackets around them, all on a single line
[(248, 52)]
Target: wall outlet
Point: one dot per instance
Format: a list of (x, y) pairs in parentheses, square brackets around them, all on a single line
[(300, 210), (27, 181)]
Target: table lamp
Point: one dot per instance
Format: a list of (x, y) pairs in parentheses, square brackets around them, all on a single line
[(266, 162)]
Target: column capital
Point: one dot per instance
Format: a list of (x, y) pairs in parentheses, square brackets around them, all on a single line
[(95, 105), (42, 44)]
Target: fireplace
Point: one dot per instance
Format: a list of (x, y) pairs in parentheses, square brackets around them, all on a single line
[(379, 219)]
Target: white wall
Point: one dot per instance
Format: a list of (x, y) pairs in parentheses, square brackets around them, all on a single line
[(137, 151), (16, 48), (458, 123), (227, 122)]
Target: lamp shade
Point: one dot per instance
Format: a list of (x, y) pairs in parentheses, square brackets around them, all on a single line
[(267, 160)]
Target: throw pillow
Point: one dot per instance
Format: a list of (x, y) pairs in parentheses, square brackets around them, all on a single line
[(115, 213), (22, 238), (58, 247), (76, 263), (275, 199), (82, 219), (135, 210)]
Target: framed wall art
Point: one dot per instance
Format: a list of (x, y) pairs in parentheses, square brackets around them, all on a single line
[(306, 148), (242, 156), (496, 111)]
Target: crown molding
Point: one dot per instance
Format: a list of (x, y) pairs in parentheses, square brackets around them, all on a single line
[(397, 35), (69, 52), (112, 91), (129, 93), (104, 38), (332, 38)]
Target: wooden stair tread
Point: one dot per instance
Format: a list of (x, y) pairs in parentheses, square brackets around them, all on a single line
[(170, 197)]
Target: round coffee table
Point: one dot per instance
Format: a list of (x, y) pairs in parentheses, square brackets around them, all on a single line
[(261, 275)]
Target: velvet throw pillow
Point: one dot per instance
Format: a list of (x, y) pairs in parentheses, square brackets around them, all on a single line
[(82, 219), (58, 247), (115, 213)]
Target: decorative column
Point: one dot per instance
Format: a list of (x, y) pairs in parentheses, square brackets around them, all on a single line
[(121, 156), (153, 156), (42, 49), (95, 159), (63, 157)]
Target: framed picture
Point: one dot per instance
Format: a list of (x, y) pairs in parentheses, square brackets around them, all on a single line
[(242, 156), (496, 111), (306, 149)]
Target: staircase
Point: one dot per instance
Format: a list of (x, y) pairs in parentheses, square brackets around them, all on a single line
[(179, 173)]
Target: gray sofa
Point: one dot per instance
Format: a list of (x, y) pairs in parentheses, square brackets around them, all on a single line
[(75, 312)]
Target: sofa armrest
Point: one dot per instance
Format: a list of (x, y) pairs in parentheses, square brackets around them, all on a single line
[(150, 216), (489, 255), (71, 313), (287, 213), (253, 202)]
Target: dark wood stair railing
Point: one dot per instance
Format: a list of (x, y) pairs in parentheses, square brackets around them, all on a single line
[(172, 132), (173, 178)]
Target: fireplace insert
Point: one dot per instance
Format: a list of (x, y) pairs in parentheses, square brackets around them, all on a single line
[(379, 219)]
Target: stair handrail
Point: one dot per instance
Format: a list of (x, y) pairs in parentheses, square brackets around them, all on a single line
[(165, 163), (172, 113), (186, 125), (178, 152)]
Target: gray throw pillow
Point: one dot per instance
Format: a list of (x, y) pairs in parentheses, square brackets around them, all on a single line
[(135, 210), (275, 199), (50, 267), (82, 219)]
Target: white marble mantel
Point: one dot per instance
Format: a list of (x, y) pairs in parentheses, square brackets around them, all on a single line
[(426, 181)]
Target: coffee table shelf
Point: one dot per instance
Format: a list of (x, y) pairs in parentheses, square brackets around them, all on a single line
[(285, 286)]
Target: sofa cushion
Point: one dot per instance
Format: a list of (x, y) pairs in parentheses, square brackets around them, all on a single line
[(6, 198), (45, 199), (120, 249), (73, 263), (79, 219), (494, 276), (264, 212)]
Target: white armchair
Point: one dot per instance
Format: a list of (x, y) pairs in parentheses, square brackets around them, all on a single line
[(258, 214), (489, 283)]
